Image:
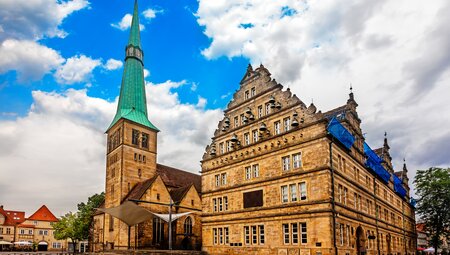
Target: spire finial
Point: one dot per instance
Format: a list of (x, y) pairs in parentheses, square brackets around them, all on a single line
[(351, 88), (135, 37)]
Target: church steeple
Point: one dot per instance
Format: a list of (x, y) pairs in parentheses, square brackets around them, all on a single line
[(132, 100)]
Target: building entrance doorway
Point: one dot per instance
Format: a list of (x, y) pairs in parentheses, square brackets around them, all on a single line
[(42, 246), (360, 241)]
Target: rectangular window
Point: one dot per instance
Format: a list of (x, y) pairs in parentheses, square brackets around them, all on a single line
[(246, 139), (8, 231), (135, 137), (227, 238), (111, 224), (220, 235), (297, 160), (255, 135), (260, 111), (242, 119), (225, 203), (236, 121), (220, 204), (293, 191), (284, 194), (217, 178), (144, 140), (341, 234), (345, 195), (221, 148), (248, 172), (287, 124), (304, 233), (229, 146), (261, 234), (254, 235), (253, 92), (247, 235), (348, 235), (286, 163), (294, 228), (224, 178), (255, 171), (215, 237), (215, 204), (286, 233), (302, 190), (246, 95), (277, 128), (267, 109), (22, 231), (355, 199)]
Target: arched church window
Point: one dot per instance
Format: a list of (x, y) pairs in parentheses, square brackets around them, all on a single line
[(188, 226)]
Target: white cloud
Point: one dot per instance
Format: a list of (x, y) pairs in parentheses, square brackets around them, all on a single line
[(61, 143), (399, 67), (30, 59), (76, 69), (125, 23), (113, 64), (146, 73), (151, 13), (36, 19)]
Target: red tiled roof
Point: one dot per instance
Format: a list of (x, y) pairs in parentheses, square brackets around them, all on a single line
[(43, 214), (12, 217), (176, 178)]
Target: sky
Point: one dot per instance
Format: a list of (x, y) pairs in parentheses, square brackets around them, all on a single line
[(61, 64)]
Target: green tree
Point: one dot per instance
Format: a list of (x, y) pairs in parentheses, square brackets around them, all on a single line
[(68, 227), (433, 203), (77, 226)]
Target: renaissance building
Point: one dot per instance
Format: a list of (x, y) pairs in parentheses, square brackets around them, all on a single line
[(280, 177), (132, 172)]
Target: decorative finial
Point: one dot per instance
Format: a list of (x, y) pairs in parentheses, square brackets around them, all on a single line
[(351, 88), (385, 134)]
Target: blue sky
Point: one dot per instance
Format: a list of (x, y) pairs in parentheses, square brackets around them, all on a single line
[(172, 43), (61, 68)]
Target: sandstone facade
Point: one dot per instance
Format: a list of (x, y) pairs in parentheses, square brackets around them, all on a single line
[(275, 181)]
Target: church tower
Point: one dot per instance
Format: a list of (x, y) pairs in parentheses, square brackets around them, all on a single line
[(132, 138)]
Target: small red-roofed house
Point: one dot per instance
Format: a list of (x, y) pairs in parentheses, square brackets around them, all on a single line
[(37, 229)]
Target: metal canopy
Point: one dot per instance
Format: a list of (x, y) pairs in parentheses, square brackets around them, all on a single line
[(132, 214)]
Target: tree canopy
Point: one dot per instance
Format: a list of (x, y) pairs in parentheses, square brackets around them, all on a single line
[(433, 203), (76, 226)]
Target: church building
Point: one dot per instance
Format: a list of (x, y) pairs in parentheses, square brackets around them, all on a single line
[(132, 171), (280, 177)]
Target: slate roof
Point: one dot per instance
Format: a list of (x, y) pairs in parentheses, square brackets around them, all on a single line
[(139, 189), (179, 193), (176, 178), (43, 214)]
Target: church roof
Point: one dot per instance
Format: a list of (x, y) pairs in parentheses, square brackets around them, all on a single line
[(43, 214), (179, 193), (132, 100), (176, 178), (139, 189)]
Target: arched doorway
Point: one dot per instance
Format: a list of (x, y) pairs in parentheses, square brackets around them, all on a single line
[(186, 243), (360, 241), (42, 246)]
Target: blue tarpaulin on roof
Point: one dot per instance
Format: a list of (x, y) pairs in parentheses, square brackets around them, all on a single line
[(336, 129), (398, 187), (374, 162)]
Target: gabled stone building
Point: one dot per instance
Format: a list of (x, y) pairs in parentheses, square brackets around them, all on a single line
[(281, 177), (132, 171)]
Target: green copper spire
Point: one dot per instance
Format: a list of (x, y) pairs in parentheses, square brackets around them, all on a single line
[(135, 37), (132, 101)]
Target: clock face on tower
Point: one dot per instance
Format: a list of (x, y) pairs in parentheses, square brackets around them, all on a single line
[(134, 52)]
